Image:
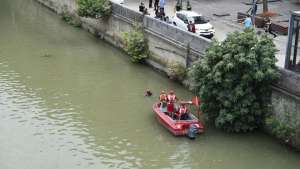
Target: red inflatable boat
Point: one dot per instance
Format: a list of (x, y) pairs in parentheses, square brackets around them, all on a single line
[(179, 127)]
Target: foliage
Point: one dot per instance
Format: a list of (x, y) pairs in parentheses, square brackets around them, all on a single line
[(94, 8), (234, 78), (176, 71), (70, 19), (135, 44), (279, 129)]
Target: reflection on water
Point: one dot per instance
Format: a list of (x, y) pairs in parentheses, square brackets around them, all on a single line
[(68, 100)]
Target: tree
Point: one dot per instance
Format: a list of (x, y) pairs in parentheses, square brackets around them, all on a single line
[(234, 80)]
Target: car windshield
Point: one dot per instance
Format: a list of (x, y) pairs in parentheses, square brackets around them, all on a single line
[(199, 20)]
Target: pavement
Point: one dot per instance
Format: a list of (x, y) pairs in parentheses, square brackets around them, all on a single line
[(226, 24)]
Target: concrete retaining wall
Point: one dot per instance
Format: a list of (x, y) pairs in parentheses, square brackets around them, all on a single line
[(168, 43), (286, 109)]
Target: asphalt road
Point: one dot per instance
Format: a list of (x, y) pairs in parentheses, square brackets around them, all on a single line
[(226, 24)]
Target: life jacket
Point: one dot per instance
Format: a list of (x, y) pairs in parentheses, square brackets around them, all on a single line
[(162, 97), (171, 98), (182, 110)]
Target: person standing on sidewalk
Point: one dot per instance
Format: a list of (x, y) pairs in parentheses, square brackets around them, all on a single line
[(247, 22), (268, 29), (161, 8), (191, 27), (150, 3), (156, 5)]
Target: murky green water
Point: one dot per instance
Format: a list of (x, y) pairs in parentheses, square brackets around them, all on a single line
[(70, 101)]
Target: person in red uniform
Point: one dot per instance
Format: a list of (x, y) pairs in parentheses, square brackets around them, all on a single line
[(163, 102), (162, 96), (171, 99), (182, 112)]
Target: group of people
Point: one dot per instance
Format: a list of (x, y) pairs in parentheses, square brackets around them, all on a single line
[(267, 25), (159, 8), (168, 105)]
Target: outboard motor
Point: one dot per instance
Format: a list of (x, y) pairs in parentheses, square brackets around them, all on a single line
[(192, 131)]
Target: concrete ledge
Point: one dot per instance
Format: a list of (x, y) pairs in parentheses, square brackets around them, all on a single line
[(289, 82)]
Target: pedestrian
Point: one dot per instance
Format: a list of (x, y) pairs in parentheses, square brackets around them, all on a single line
[(254, 9), (191, 27), (267, 27), (247, 22), (142, 7), (161, 5), (150, 3), (156, 4), (156, 13), (145, 12)]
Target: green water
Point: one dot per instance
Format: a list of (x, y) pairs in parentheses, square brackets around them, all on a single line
[(70, 101)]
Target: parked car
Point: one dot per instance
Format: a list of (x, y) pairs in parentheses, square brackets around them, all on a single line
[(202, 25)]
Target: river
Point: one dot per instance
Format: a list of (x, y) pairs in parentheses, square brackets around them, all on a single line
[(71, 101)]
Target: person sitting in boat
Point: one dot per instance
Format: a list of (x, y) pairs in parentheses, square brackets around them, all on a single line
[(163, 102), (171, 99), (182, 112)]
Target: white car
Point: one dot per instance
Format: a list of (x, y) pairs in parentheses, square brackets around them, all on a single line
[(202, 25)]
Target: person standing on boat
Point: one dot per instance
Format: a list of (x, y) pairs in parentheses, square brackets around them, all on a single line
[(171, 98), (163, 101)]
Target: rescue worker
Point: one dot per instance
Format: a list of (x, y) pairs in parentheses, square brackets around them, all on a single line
[(163, 96), (163, 102), (171, 99), (182, 112)]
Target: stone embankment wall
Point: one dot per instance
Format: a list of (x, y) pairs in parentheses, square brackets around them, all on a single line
[(167, 43), (286, 109)]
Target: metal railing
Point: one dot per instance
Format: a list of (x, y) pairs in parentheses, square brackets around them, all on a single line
[(123, 11)]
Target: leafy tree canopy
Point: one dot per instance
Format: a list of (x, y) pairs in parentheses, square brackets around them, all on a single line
[(234, 80)]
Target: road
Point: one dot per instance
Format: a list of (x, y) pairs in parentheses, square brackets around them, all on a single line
[(227, 24)]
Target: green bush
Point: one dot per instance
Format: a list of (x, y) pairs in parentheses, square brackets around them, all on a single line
[(94, 8), (135, 44), (176, 71), (286, 128), (234, 78), (70, 19), (281, 130)]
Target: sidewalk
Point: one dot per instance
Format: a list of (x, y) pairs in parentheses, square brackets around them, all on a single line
[(227, 24)]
